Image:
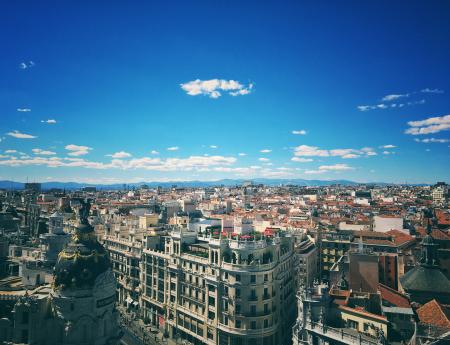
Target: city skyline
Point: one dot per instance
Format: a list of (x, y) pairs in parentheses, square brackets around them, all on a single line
[(212, 91)]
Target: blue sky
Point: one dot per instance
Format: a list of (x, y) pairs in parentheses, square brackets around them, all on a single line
[(142, 91)]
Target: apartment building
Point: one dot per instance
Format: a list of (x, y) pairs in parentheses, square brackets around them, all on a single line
[(211, 289), (124, 243)]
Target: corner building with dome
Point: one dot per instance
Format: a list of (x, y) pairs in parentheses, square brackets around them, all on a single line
[(79, 307)]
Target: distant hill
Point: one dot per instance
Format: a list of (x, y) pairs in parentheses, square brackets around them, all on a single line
[(225, 182)]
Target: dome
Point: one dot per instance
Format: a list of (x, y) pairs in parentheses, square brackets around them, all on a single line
[(82, 261)]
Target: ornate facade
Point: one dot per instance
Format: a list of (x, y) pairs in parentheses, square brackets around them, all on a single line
[(79, 307)]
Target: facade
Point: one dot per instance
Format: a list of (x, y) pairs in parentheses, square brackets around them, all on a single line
[(125, 254), (214, 290), (306, 263), (333, 245), (385, 223), (78, 308), (440, 193)]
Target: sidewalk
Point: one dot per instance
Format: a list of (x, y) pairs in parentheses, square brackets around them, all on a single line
[(143, 333)]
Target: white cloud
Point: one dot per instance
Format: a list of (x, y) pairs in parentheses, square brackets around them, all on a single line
[(25, 65), (310, 151), (389, 146), (17, 134), (173, 148), (301, 160), (146, 163), (214, 87), (429, 140), (262, 159), (326, 168), (23, 110), (43, 152), (120, 154), (154, 152), (393, 97), (388, 105), (335, 167), (242, 154), (78, 150), (10, 151), (428, 90), (314, 151), (396, 97), (350, 156), (265, 151), (242, 92), (213, 146), (429, 126), (49, 121), (299, 132), (387, 152)]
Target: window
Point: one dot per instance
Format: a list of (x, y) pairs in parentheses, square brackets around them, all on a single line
[(238, 323), (352, 324), (266, 323), (252, 278), (25, 318), (212, 301), (238, 293), (238, 309), (266, 277), (366, 327), (253, 310), (266, 308), (238, 277), (253, 325)]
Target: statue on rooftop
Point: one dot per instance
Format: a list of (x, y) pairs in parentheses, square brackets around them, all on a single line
[(83, 211)]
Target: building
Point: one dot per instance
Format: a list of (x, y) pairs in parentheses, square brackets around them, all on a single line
[(125, 252), (306, 261), (33, 187), (333, 245), (79, 307), (385, 223), (426, 281), (440, 193), (338, 316), (210, 289)]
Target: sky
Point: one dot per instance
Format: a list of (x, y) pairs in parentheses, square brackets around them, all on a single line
[(123, 92)]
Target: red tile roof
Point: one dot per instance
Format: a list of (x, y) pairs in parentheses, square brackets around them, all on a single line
[(399, 237), (435, 314), (436, 233), (393, 297), (443, 217)]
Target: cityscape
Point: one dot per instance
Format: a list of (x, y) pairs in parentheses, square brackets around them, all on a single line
[(225, 172)]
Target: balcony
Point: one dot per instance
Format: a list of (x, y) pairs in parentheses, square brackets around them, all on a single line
[(341, 335)]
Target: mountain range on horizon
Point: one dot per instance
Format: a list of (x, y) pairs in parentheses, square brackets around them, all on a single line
[(13, 185)]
